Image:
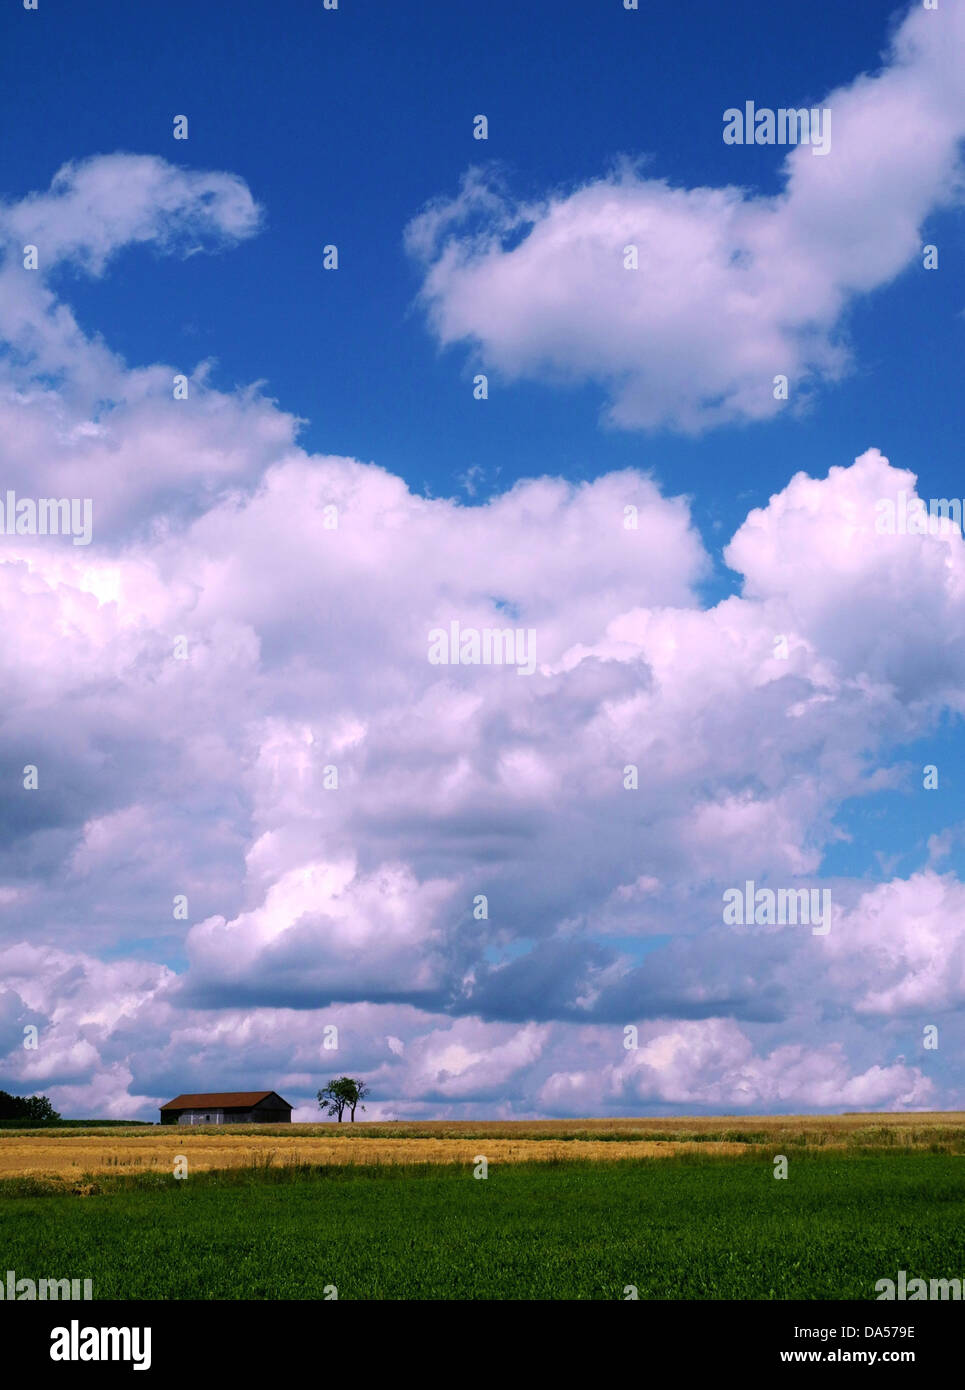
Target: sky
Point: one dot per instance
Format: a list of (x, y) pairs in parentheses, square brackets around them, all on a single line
[(336, 374)]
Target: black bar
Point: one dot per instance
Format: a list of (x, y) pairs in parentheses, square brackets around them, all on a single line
[(687, 1337)]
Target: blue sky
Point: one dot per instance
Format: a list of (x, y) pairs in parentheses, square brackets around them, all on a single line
[(345, 127), (344, 124)]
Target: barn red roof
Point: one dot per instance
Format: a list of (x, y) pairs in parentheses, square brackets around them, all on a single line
[(221, 1100)]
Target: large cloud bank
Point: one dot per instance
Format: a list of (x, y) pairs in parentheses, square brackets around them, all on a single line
[(228, 697)]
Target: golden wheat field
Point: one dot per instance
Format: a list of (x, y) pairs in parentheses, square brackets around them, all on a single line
[(74, 1157), (71, 1153)]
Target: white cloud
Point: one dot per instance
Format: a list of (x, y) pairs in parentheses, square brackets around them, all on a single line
[(98, 205), (307, 648), (733, 288)]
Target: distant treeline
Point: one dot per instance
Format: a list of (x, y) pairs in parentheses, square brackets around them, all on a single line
[(30, 1110), (69, 1124)]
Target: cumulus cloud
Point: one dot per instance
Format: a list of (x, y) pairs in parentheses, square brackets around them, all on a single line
[(733, 288), (187, 685), (74, 420), (307, 900), (96, 206), (712, 1066)]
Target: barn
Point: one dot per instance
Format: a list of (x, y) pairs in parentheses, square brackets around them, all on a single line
[(227, 1108)]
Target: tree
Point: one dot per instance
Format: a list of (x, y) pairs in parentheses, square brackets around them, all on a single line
[(356, 1091), (31, 1109), (39, 1108), (334, 1098), (344, 1093)]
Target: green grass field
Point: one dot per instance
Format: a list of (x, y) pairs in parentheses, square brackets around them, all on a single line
[(689, 1228)]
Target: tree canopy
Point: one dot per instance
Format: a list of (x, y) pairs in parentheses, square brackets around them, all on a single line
[(31, 1109), (341, 1094)]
